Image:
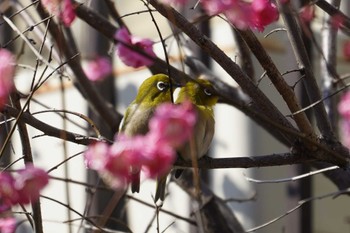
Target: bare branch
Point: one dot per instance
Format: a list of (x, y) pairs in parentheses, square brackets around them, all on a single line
[(293, 31), (48, 129), (294, 178)]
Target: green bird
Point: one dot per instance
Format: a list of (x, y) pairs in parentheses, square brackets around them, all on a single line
[(152, 92), (201, 94)]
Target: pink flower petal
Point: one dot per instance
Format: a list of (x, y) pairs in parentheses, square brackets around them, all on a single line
[(264, 13), (63, 9), (8, 193), (173, 124), (159, 158), (344, 106), (345, 132), (7, 225), (98, 69), (307, 13), (214, 7), (346, 50), (7, 71), (67, 13), (130, 57), (29, 182), (95, 156), (126, 153), (337, 20), (176, 2), (242, 14)]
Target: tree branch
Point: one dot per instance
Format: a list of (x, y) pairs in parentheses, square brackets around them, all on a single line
[(332, 11), (28, 160), (278, 81), (106, 110), (248, 162), (46, 128), (293, 31), (329, 49)]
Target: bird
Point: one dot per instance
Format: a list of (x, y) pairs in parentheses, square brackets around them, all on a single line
[(201, 94), (154, 91)]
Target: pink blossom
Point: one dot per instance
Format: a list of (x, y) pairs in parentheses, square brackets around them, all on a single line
[(173, 124), (176, 2), (7, 71), (344, 111), (63, 9), (170, 127), (7, 225), (98, 69), (96, 155), (214, 7), (345, 132), (158, 158), (130, 57), (307, 13), (67, 14), (264, 13), (124, 155), (346, 50), (29, 182), (240, 14), (8, 193), (344, 106), (256, 14), (337, 20)]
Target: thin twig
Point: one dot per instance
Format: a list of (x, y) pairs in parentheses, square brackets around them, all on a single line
[(301, 203), (82, 116), (294, 178), (293, 31), (73, 210)]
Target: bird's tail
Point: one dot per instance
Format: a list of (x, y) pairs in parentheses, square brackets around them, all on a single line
[(160, 189)]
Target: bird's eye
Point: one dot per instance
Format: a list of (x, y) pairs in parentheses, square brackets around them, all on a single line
[(207, 92), (162, 85)]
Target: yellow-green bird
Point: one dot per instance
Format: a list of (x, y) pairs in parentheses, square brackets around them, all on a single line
[(152, 92), (201, 94)]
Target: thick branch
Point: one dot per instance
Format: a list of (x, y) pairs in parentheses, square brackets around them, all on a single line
[(248, 162)]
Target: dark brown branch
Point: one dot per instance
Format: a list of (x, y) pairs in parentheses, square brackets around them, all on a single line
[(28, 160), (245, 59), (248, 162)]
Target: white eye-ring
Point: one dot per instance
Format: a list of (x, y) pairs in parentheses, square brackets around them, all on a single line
[(162, 85), (207, 92)]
